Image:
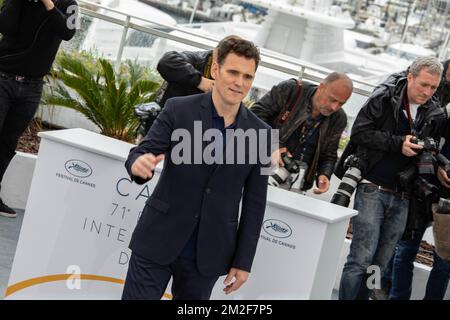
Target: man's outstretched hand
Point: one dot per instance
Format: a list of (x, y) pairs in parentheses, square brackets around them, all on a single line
[(144, 165)]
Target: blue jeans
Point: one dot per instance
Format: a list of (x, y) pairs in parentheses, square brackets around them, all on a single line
[(402, 273), (18, 104), (438, 280), (377, 228), (402, 269)]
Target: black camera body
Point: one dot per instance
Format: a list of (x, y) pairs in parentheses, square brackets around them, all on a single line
[(416, 178), (355, 166), (290, 164), (425, 158), (292, 172), (147, 114)]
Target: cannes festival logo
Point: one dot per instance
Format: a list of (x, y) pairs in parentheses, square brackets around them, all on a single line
[(277, 228), (78, 168)]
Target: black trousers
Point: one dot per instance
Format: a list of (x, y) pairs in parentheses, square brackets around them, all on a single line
[(147, 280), (18, 104)]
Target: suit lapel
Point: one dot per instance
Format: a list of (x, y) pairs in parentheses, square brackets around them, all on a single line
[(205, 112)]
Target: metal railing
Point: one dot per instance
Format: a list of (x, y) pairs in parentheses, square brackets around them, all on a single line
[(292, 66)]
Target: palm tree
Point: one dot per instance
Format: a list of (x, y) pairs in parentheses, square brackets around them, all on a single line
[(99, 93)]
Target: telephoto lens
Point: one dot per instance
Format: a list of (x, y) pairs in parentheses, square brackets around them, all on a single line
[(347, 187), (299, 179), (279, 177), (282, 174), (425, 163), (349, 181)]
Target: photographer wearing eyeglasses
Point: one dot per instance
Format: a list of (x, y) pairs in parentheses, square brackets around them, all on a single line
[(390, 130), (398, 277), (32, 33)]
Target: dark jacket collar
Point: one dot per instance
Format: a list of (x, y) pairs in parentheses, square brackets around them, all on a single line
[(206, 113)]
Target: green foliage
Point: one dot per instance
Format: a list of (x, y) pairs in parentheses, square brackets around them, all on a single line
[(104, 96), (343, 142)]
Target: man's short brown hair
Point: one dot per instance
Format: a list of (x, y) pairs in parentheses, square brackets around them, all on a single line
[(238, 46)]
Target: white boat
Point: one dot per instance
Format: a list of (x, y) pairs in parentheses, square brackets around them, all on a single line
[(316, 34), (104, 37), (408, 51)]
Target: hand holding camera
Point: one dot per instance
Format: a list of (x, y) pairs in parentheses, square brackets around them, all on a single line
[(292, 171), (277, 156), (410, 148)]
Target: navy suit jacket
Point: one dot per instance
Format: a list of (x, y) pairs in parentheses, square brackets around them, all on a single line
[(207, 195)]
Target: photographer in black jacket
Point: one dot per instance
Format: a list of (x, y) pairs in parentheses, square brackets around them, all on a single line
[(185, 73), (32, 32), (397, 280), (311, 121), (383, 133)]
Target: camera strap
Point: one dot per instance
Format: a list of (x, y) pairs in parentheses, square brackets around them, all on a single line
[(287, 112), (414, 123), (408, 112), (207, 70), (308, 128)]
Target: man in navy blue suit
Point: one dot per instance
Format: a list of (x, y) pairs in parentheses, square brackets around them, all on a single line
[(190, 227)]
